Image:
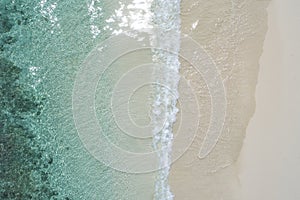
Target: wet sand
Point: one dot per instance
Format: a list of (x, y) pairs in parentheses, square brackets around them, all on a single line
[(232, 33)]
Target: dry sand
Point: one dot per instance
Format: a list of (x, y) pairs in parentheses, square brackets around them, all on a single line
[(270, 158)]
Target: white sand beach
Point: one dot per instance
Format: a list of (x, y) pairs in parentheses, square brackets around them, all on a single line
[(259, 160), (270, 157)]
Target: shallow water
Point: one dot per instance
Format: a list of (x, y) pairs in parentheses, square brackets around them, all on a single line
[(43, 44)]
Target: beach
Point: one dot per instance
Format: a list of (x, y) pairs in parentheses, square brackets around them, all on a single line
[(269, 160), (232, 34), (257, 156)]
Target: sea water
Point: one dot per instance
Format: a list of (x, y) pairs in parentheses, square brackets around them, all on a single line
[(43, 44)]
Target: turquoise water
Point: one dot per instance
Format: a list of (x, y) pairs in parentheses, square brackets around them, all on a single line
[(43, 44)]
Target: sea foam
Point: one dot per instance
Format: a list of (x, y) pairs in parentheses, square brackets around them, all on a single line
[(166, 39)]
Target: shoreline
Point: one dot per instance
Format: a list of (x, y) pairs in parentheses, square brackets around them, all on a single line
[(269, 159), (235, 46)]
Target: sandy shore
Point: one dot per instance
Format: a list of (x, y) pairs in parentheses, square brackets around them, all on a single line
[(232, 33), (269, 161)]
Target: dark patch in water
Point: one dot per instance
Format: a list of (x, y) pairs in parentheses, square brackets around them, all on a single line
[(23, 163), (24, 166)]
